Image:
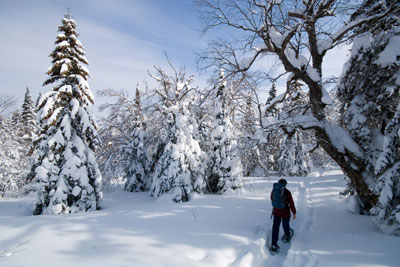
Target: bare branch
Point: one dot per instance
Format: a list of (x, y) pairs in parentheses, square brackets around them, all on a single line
[(6, 103)]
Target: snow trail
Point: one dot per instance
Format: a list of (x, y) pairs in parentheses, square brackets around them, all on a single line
[(133, 229), (299, 253)]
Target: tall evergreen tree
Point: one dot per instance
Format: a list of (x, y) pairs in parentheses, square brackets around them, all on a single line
[(271, 110), (65, 165), (16, 123), (177, 167), (249, 149), (180, 170), (293, 159), (16, 120), (270, 146), (369, 91), (248, 118), (137, 169), (28, 116), (226, 169)]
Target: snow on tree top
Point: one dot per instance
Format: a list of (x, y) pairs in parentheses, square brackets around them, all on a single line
[(61, 36), (68, 19), (63, 44)]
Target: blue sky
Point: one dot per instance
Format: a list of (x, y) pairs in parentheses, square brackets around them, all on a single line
[(123, 39)]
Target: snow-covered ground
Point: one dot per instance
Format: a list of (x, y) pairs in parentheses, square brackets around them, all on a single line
[(210, 230)]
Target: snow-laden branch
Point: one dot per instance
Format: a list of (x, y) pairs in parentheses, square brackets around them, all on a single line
[(246, 63), (327, 44), (337, 135), (305, 122), (340, 138)]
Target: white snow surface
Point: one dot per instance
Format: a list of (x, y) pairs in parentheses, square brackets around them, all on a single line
[(134, 229)]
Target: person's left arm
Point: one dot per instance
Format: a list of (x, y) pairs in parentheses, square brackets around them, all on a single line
[(291, 204)]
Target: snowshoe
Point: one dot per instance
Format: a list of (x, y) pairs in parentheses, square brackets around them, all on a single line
[(274, 249), (286, 239)]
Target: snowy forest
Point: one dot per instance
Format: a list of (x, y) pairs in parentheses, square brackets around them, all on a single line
[(175, 139)]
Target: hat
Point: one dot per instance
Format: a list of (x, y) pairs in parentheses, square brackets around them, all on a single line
[(282, 181)]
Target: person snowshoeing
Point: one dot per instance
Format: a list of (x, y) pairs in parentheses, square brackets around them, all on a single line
[(282, 203)]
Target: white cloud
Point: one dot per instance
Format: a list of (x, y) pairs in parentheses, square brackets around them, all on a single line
[(115, 59)]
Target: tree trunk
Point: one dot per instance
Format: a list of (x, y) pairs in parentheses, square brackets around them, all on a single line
[(352, 167)]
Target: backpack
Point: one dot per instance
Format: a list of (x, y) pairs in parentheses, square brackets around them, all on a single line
[(279, 196)]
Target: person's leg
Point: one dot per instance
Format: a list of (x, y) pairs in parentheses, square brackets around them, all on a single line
[(275, 230), (286, 226)]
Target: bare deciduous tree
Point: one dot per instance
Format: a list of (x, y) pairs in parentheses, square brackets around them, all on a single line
[(299, 33), (6, 102)]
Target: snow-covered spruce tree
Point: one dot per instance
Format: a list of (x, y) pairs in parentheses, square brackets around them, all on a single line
[(269, 145), (199, 108), (178, 161), (17, 124), (28, 118), (369, 91), (226, 168), (248, 145), (271, 110), (65, 165), (16, 121), (137, 170), (293, 159)]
